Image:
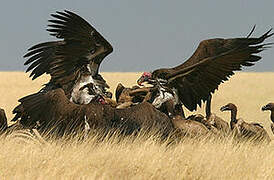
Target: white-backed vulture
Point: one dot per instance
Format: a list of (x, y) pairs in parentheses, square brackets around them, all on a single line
[(213, 62), (252, 131), (270, 107)]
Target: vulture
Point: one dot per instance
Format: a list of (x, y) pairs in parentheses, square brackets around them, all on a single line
[(270, 107), (252, 131), (57, 115), (213, 62), (73, 61), (3, 121)]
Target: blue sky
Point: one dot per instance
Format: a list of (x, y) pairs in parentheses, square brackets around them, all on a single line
[(145, 34)]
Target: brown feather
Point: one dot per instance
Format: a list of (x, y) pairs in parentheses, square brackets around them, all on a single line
[(81, 44), (57, 115), (212, 63)]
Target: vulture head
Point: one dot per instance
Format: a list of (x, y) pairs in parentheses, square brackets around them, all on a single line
[(268, 107), (156, 77), (228, 107), (146, 77)]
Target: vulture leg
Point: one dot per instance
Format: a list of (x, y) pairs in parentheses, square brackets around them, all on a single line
[(208, 106)]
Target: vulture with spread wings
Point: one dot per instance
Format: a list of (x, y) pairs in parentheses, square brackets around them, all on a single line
[(213, 62), (73, 61)]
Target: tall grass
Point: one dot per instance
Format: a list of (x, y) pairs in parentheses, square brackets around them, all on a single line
[(140, 158), (144, 157)]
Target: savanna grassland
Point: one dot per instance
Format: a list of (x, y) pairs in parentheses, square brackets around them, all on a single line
[(144, 157)]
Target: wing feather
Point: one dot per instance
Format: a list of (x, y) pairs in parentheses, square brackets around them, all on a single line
[(213, 62), (61, 114), (64, 59)]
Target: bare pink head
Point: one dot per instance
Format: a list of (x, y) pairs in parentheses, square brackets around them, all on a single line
[(146, 76)]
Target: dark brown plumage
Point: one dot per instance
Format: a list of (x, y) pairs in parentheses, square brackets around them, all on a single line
[(213, 62), (55, 114), (78, 54), (72, 62), (252, 131), (270, 107), (3, 121), (64, 60)]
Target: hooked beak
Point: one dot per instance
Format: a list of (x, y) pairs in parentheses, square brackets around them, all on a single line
[(265, 108), (140, 81), (223, 108)]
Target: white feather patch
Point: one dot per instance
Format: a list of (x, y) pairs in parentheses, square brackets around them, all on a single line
[(83, 96)]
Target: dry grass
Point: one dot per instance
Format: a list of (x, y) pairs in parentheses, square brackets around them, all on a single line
[(144, 158)]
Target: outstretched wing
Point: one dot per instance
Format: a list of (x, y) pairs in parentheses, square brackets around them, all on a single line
[(82, 48), (212, 63), (50, 110)]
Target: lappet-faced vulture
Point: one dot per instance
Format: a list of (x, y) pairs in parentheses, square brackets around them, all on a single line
[(73, 61), (213, 62)]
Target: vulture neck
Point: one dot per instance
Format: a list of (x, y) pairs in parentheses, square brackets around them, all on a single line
[(272, 116), (233, 120)]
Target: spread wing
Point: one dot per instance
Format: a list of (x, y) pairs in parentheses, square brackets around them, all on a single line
[(82, 45), (52, 110), (211, 64)]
